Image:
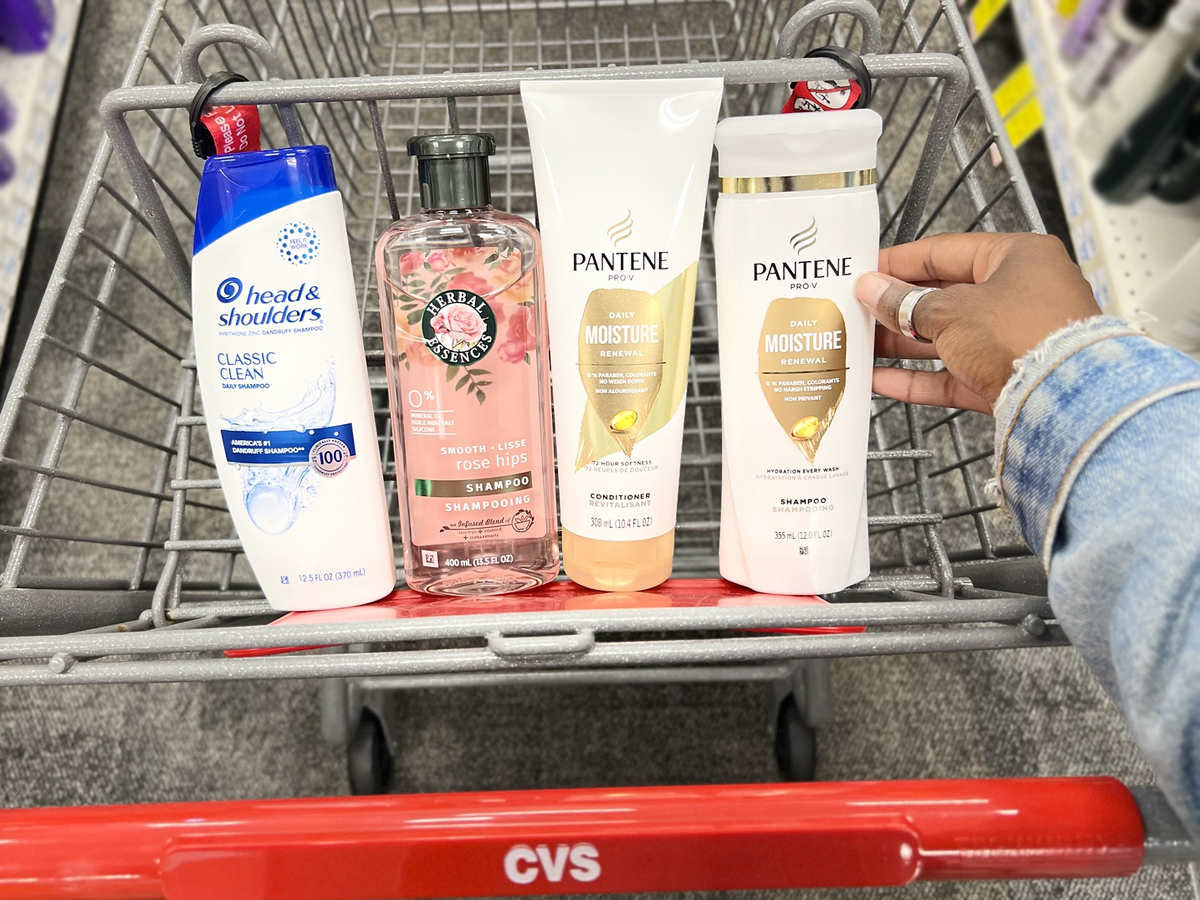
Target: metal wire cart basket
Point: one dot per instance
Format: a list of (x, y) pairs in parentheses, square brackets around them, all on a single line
[(121, 563)]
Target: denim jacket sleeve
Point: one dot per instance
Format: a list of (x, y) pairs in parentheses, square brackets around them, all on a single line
[(1098, 460)]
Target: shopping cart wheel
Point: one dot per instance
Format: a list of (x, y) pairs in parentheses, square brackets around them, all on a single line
[(368, 756), (795, 743)]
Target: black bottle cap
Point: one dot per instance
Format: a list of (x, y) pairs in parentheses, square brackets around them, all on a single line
[(453, 169), (1146, 14)]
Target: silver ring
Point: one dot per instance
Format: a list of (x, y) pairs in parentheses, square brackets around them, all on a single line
[(904, 315)]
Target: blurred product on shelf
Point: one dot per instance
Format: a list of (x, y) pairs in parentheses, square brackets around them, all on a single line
[(1125, 249), (26, 25), (8, 111), (1172, 313), (8, 165), (1180, 182), (1142, 82), (1143, 153), (1123, 32), (30, 88), (1084, 28)]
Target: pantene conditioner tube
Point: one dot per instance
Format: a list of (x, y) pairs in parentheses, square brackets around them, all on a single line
[(621, 169), (797, 222)]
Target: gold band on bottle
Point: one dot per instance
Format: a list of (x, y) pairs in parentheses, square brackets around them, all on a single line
[(781, 184)]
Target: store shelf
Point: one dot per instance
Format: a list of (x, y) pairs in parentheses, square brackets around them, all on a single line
[(1123, 250), (34, 83)]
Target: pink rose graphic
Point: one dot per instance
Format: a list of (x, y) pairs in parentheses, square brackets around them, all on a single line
[(414, 262), (520, 328), (520, 338), (510, 353), (469, 281), (458, 326), (438, 260)]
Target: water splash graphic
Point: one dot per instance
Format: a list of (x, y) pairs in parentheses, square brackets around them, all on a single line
[(274, 496)]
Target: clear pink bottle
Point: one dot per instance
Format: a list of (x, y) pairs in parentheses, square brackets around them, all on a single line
[(464, 323)]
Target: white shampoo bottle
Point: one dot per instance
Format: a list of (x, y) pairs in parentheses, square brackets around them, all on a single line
[(283, 379), (797, 222)]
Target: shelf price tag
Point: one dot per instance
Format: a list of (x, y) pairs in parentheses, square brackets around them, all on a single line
[(1016, 88), (982, 17), (1018, 105), (1025, 122)]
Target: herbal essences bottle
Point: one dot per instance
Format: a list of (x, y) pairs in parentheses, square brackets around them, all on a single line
[(464, 322)]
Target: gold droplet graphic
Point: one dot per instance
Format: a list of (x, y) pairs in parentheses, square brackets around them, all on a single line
[(806, 427), (623, 421), (621, 361), (674, 303), (802, 367)]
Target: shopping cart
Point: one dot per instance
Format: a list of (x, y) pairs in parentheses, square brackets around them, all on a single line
[(122, 564)]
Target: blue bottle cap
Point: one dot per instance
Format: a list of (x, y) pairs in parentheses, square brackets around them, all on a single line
[(240, 187)]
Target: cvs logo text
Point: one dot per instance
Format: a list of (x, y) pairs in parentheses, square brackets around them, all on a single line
[(523, 864)]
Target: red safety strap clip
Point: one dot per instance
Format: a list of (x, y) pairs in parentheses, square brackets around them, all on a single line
[(222, 129), (824, 96)]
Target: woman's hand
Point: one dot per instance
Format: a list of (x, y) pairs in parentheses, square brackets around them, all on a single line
[(998, 296)]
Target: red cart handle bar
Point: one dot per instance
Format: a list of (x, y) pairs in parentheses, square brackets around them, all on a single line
[(576, 841)]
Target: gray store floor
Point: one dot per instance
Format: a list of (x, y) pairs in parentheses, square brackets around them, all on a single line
[(988, 714)]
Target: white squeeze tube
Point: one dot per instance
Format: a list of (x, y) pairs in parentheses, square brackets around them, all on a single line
[(797, 222), (621, 171), (283, 379)]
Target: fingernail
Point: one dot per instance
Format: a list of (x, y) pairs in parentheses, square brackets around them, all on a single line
[(870, 287)]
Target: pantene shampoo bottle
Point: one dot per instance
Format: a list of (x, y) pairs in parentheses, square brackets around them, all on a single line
[(283, 379), (797, 222)]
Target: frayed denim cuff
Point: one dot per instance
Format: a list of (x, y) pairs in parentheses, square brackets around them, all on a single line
[(1065, 397)]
